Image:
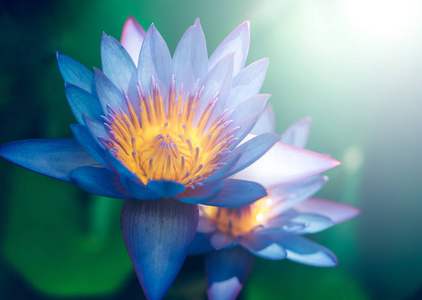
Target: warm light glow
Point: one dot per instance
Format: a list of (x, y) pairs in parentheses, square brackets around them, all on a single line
[(165, 143), (383, 18), (238, 220)]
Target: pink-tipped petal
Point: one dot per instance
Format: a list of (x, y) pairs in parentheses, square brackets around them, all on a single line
[(284, 164), (297, 134), (132, 38), (337, 212)]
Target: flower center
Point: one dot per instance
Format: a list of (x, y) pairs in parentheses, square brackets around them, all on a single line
[(238, 221), (165, 142)]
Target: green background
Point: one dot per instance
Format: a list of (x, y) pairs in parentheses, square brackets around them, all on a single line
[(354, 66)]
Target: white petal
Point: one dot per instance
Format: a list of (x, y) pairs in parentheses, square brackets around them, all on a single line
[(284, 164), (132, 37), (297, 134), (337, 212)]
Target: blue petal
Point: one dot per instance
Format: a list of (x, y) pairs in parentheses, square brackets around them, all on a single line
[(51, 157), (200, 244), (263, 246), (227, 271), (85, 139), (290, 195), (109, 94), (297, 223), (165, 189), (252, 150), (266, 122), (236, 42), (217, 83), (96, 129), (337, 212), (247, 83), (99, 181), (136, 188), (201, 194), (237, 193), (157, 249), (302, 250), (190, 59), (230, 161), (81, 102), (155, 61), (119, 68), (75, 73), (220, 240), (313, 222), (297, 134), (247, 114)]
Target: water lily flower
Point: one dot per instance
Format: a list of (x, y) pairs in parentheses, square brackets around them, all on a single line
[(271, 228), (164, 133)]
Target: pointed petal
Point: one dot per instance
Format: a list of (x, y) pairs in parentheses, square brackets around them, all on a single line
[(81, 102), (236, 42), (247, 114), (155, 61), (132, 37), (136, 188), (247, 83), (297, 134), (158, 248), (96, 129), (297, 223), (220, 240), (337, 212), (75, 73), (302, 250), (200, 195), (205, 224), (217, 83), (227, 272), (116, 62), (266, 122), (253, 149), (119, 68), (200, 245), (263, 246), (190, 59), (284, 164), (166, 189), (108, 93), (288, 196), (85, 139), (55, 158), (99, 181), (237, 193)]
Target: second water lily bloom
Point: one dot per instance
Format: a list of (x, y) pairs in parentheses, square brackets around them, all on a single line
[(271, 228), (165, 133)]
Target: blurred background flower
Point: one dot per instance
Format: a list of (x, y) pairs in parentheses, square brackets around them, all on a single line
[(355, 66)]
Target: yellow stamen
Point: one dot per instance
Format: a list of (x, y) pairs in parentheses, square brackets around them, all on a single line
[(238, 221), (162, 141)]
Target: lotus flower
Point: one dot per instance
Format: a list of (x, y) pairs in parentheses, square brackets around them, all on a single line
[(271, 228), (165, 134)]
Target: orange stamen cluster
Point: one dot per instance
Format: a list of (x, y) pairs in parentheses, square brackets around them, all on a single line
[(163, 141), (238, 221)]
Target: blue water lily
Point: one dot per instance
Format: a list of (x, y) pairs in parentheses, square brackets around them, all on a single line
[(271, 228), (152, 126)]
